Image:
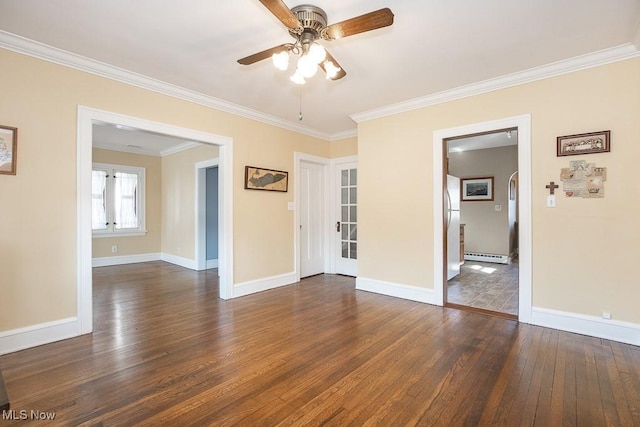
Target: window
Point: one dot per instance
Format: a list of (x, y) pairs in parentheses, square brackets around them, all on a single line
[(117, 200)]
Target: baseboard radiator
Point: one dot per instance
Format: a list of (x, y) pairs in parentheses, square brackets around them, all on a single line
[(477, 256)]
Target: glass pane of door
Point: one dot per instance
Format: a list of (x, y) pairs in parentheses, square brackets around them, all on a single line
[(346, 215), (349, 200)]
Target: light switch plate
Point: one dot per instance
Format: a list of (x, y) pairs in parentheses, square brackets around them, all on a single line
[(551, 201), (291, 206)]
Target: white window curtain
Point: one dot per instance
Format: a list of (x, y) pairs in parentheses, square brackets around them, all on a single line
[(117, 200), (98, 200), (126, 200)]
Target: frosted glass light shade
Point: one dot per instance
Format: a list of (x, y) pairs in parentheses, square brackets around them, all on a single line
[(331, 69), (307, 66), (281, 60), (317, 53), (297, 78)]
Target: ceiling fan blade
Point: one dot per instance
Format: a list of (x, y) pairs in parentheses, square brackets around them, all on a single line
[(262, 55), (282, 12), (360, 24), (341, 73)]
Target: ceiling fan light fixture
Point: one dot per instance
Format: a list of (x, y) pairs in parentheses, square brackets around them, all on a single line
[(317, 53), (307, 24), (297, 78), (281, 60), (307, 67), (330, 69)]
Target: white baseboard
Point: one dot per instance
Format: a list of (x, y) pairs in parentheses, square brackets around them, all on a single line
[(212, 263), (124, 259), (486, 257), (587, 325), (253, 286), (182, 262), (397, 290), (35, 335), (132, 259)]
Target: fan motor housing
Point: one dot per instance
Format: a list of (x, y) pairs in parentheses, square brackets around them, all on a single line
[(311, 17)]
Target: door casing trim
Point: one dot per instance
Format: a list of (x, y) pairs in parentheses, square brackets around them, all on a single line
[(84, 138), (523, 124)]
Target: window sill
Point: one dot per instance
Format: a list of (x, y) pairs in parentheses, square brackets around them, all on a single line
[(119, 234)]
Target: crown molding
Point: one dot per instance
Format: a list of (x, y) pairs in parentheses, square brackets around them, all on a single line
[(595, 59), (25, 46), (343, 135), (146, 152), (132, 150), (178, 148), (636, 35)]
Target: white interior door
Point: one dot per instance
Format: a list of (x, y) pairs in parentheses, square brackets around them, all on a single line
[(311, 219), (346, 226)]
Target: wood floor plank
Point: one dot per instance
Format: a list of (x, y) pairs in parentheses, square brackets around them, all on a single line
[(542, 415), (588, 386), (167, 351), (570, 392), (616, 412), (626, 360)]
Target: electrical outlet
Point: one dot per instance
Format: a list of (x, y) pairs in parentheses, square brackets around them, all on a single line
[(114, 249), (606, 315)]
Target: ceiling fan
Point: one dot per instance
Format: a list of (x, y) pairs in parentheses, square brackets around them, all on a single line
[(307, 24)]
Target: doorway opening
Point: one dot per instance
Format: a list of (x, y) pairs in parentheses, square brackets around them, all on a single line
[(208, 209), (481, 211), (523, 125), (87, 117)]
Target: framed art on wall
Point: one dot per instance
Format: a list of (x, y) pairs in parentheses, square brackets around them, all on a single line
[(476, 189), (584, 143), (265, 179), (8, 150)]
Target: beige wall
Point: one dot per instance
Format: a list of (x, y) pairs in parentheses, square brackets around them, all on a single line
[(583, 249), (39, 227), (344, 147), (149, 243), (178, 199), (486, 230)]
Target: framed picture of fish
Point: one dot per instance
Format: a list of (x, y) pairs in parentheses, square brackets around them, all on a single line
[(265, 179)]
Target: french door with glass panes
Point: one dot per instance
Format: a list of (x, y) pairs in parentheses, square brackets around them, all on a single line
[(346, 227)]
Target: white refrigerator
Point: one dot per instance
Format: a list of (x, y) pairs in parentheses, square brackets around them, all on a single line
[(452, 215)]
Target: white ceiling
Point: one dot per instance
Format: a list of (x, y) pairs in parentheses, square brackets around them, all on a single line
[(433, 46), (481, 142), (131, 140)]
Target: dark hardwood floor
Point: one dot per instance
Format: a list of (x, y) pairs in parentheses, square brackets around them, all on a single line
[(167, 351)]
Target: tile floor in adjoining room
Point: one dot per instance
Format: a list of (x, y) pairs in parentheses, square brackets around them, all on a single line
[(486, 285)]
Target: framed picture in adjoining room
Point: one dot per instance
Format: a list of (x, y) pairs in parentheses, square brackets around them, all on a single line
[(265, 179), (8, 150), (584, 143), (476, 189)]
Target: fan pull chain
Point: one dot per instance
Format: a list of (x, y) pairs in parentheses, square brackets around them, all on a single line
[(300, 116)]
